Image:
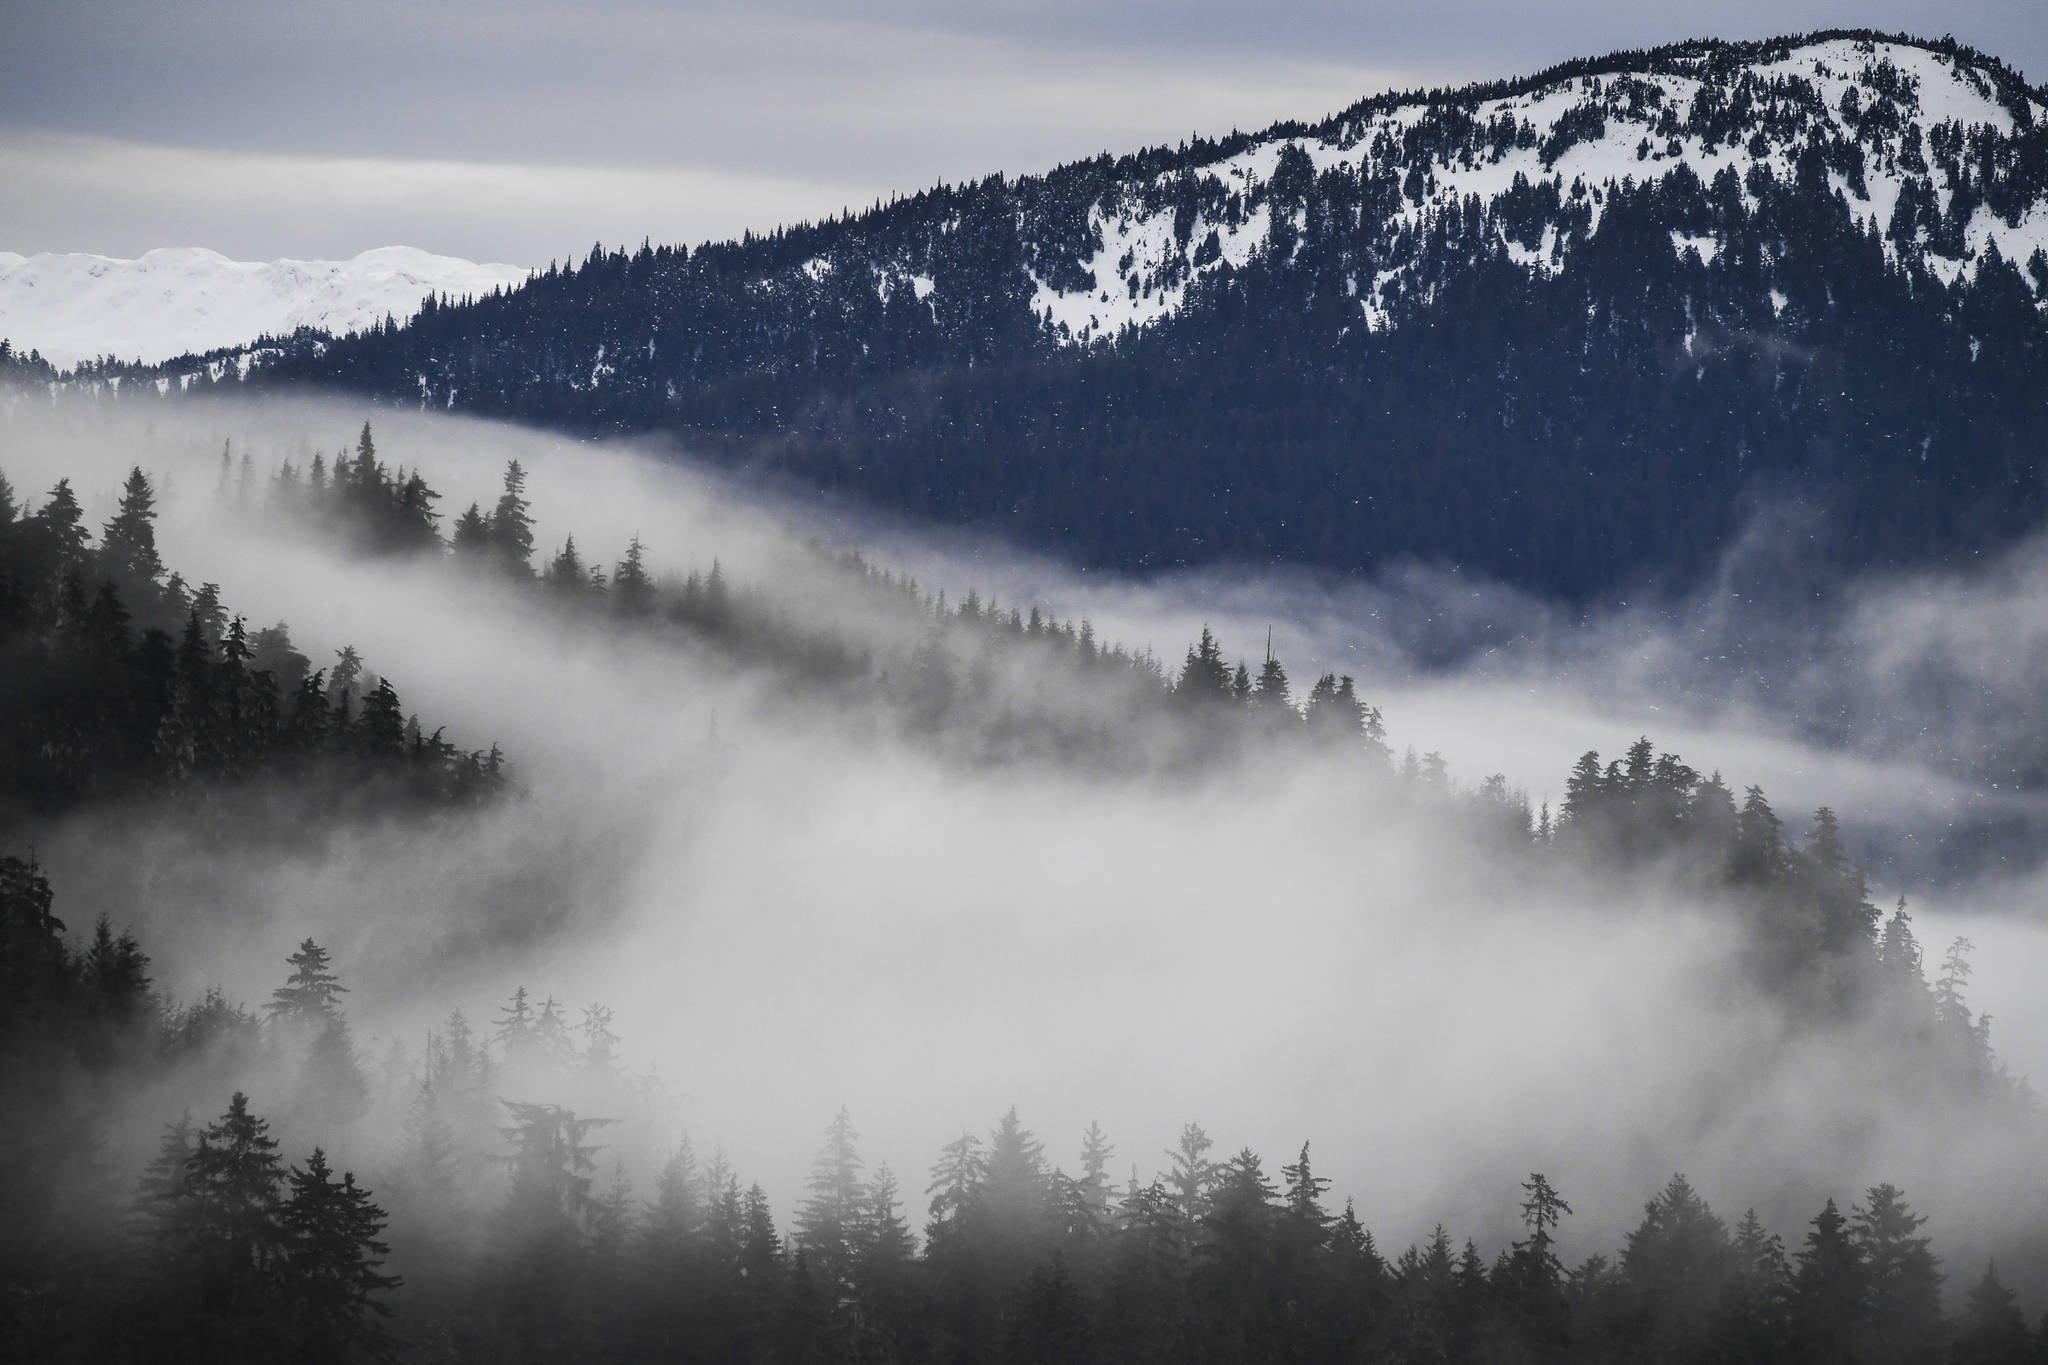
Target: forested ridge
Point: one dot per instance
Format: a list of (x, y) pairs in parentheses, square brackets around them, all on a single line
[(1719, 275), (117, 676), (510, 1197)]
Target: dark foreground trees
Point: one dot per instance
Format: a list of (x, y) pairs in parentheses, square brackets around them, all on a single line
[(516, 1233)]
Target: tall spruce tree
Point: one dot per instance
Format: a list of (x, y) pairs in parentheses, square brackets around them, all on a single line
[(233, 1176), (828, 1220), (632, 589), (128, 544), (1830, 1292), (331, 1267), (1902, 1281), (511, 524)]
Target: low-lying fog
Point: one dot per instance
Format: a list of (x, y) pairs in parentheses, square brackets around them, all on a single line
[(789, 912)]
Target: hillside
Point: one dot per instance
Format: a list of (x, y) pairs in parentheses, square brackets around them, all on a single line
[(73, 307), (1566, 330)]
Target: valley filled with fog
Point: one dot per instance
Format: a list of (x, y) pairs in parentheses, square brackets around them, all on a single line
[(792, 898)]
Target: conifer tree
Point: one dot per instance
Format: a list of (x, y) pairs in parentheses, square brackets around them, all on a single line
[(232, 1178), (632, 589), (342, 683), (1530, 1278), (1759, 840), (162, 1206), (1754, 1322), (1335, 716), (565, 571), (1584, 791), (760, 1243), (1012, 1198), (1949, 1004), (717, 606), (1901, 1277), (1992, 1330), (1096, 1153), (1676, 1265), (331, 1266), (1270, 698), (1233, 1278), (600, 1044), (128, 544), (366, 456), (115, 973), (1898, 951), (309, 723), (1361, 1273), (676, 1220), (1204, 677), (955, 1188), (828, 1221), (1830, 1289), (1191, 1174), (551, 1036), (551, 1161), (471, 537), (1308, 1221), (413, 522), (723, 1213), (514, 1033), (311, 994), (885, 1242), (511, 525), (59, 526), (380, 730)]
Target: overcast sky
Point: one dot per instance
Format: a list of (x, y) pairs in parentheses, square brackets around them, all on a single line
[(516, 131)]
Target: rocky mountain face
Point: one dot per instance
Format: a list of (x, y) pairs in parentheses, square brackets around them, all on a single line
[(1570, 331)]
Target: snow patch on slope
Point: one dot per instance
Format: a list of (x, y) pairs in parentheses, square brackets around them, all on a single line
[(74, 307), (1138, 273)]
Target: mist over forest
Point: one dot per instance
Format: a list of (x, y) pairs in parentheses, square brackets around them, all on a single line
[(616, 869)]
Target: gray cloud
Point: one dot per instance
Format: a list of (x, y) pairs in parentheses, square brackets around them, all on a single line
[(781, 95), (80, 193)]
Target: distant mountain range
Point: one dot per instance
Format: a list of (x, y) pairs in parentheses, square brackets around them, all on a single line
[(1566, 330), (71, 307)]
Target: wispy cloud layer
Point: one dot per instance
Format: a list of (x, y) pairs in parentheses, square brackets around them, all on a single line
[(446, 126)]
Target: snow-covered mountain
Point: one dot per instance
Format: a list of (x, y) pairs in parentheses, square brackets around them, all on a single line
[(186, 300), (1568, 329), (1891, 121)]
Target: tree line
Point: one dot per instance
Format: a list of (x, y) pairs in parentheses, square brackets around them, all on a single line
[(499, 1230), (117, 676)]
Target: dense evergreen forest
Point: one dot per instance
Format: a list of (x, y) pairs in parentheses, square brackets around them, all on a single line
[(1580, 382), (509, 1199)]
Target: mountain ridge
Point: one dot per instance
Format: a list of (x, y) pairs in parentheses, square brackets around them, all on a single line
[(1566, 329)]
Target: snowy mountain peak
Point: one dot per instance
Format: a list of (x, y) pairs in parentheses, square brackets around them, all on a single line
[(1927, 145), (172, 301)]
